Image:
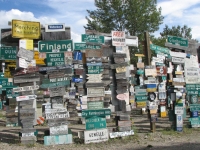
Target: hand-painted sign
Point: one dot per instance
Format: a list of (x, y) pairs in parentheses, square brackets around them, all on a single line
[(8, 53), (161, 70), (49, 46), (25, 29), (118, 38), (59, 130)]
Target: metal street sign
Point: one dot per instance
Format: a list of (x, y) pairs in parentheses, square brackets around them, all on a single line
[(27, 97), (59, 79), (84, 46), (141, 98), (92, 38), (50, 46), (194, 107), (177, 41), (95, 105), (55, 59), (92, 113), (179, 110), (159, 49), (25, 54), (8, 53), (59, 130), (11, 94), (192, 87), (55, 84), (95, 123)]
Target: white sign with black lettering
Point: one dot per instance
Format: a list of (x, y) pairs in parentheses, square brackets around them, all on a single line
[(59, 130), (191, 72), (95, 136), (118, 38), (178, 110), (178, 60)]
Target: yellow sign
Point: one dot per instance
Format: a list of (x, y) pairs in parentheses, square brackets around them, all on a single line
[(25, 29), (7, 74), (26, 44), (163, 114), (141, 104), (139, 55), (39, 61)]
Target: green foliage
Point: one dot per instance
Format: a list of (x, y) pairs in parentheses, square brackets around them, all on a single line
[(179, 31), (132, 16)]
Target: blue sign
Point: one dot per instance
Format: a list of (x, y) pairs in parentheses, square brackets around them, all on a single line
[(55, 26)]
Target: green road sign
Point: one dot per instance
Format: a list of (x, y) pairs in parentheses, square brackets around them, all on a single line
[(95, 105), (5, 84), (59, 79), (84, 46), (140, 71), (194, 119), (51, 46), (194, 107), (177, 41), (56, 84), (159, 49), (194, 122), (92, 113), (192, 86), (193, 92), (193, 99), (8, 53), (94, 69), (95, 123), (11, 94), (141, 97), (92, 38), (55, 59)]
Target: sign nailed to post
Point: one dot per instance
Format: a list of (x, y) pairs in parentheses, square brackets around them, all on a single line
[(25, 29), (8, 53), (55, 59), (54, 27), (118, 38), (177, 41), (92, 38), (50, 46)]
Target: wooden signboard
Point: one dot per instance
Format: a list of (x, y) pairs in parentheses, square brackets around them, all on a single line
[(150, 72), (95, 98), (26, 88), (27, 113), (126, 123), (95, 92), (95, 136), (93, 53), (114, 66), (107, 51), (58, 122), (57, 91), (25, 54), (79, 71), (120, 69), (119, 60), (28, 70)]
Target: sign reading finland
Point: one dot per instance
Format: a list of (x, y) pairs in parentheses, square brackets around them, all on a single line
[(55, 27), (51, 46)]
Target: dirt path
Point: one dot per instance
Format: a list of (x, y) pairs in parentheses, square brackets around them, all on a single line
[(163, 138)]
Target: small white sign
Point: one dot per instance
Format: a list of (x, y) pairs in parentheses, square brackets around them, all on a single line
[(55, 27), (118, 38), (95, 136), (121, 134), (27, 97), (178, 110), (59, 130), (178, 60)]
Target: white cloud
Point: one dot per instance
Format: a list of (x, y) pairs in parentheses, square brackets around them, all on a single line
[(179, 12)]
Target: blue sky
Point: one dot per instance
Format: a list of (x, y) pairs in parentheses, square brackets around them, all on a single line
[(73, 12)]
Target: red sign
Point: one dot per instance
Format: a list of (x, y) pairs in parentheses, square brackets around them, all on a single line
[(161, 71)]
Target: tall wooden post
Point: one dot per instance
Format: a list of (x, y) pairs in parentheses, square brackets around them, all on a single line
[(147, 50)]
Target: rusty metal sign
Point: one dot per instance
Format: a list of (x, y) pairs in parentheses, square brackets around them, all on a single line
[(93, 53), (119, 55), (26, 78), (78, 71), (97, 84)]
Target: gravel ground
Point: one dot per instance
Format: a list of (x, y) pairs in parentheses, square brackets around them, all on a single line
[(163, 138)]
